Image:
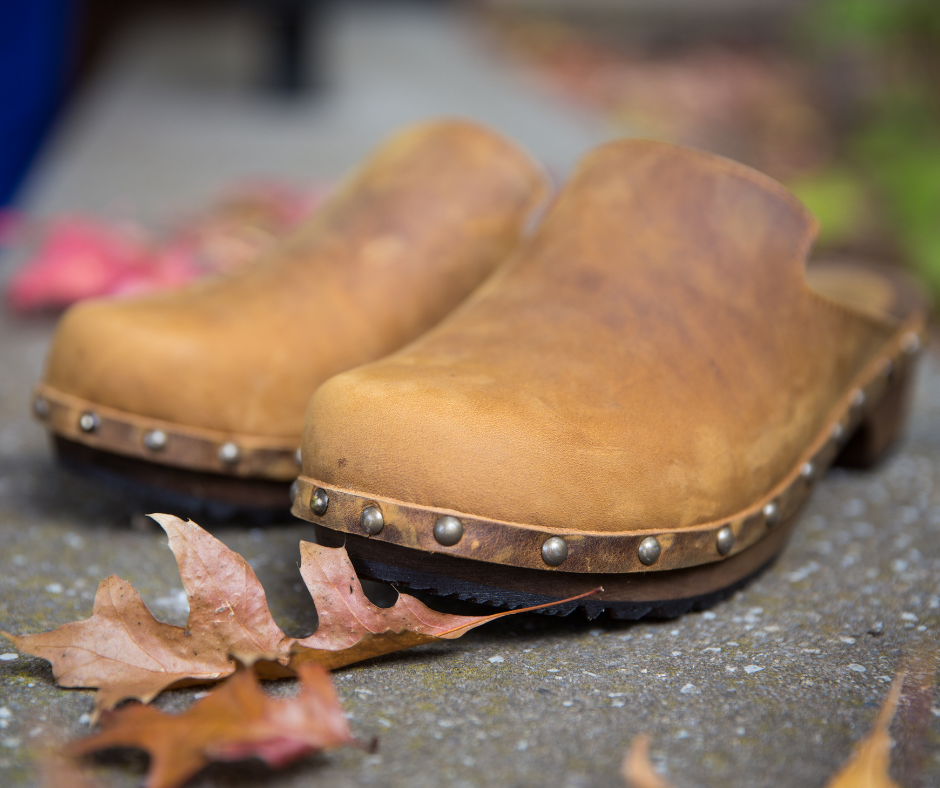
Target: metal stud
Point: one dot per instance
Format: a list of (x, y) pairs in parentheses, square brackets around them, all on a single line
[(771, 514), (448, 530), (320, 501), (371, 520), (155, 440), (807, 471), (837, 431), (294, 489), (858, 398), (41, 407), (229, 453), (554, 551), (910, 343), (88, 421), (649, 551), (725, 540), (297, 458)]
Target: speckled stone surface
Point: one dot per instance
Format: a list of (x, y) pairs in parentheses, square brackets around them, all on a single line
[(769, 688)]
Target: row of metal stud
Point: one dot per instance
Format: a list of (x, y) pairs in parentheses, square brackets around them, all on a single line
[(448, 530), (650, 548), (155, 440)]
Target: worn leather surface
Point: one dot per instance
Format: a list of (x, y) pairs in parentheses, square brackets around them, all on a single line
[(652, 358), (401, 243)]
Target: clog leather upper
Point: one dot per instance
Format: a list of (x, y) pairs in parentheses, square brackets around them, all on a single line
[(653, 358), (393, 251)]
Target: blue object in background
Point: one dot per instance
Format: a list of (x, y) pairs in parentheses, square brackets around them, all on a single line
[(36, 37)]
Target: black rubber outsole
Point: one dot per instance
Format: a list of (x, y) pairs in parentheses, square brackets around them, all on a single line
[(432, 588), (658, 594), (199, 496)]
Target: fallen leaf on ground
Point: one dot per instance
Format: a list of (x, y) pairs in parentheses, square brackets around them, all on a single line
[(866, 768), (637, 769), (911, 726), (126, 653), (868, 765), (236, 722), (58, 770), (352, 629), (81, 257)]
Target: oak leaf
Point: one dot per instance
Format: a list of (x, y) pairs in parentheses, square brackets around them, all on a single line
[(236, 722), (637, 769), (866, 768), (352, 629), (126, 653), (868, 765), (58, 770)]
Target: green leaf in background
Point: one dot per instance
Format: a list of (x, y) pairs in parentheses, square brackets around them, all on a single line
[(901, 151), (894, 143), (837, 196), (874, 23)]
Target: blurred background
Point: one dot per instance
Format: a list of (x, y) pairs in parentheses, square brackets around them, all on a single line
[(146, 142)]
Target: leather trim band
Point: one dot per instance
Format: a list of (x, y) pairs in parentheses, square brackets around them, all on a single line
[(520, 545), (178, 445)]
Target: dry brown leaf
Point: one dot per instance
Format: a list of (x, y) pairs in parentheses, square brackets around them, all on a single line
[(58, 770), (123, 650), (55, 769), (352, 629), (227, 603), (912, 722), (637, 769), (868, 766), (126, 653), (236, 722)]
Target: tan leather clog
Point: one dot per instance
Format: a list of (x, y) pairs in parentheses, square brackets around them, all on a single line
[(641, 399), (203, 390)]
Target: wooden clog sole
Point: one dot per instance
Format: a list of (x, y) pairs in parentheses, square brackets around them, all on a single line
[(196, 472), (187, 493)]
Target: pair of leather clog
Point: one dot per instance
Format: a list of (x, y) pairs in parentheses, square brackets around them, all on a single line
[(638, 395)]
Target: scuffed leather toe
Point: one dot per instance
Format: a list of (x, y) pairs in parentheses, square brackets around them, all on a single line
[(412, 434), (397, 247), (168, 358)]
